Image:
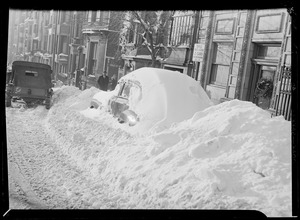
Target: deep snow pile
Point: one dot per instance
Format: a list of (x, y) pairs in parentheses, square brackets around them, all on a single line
[(228, 156)]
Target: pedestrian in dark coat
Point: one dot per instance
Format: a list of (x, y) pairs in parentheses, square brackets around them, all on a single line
[(103, 81)]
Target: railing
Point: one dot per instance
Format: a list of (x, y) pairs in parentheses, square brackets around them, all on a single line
[(284, 97), (181, 30)]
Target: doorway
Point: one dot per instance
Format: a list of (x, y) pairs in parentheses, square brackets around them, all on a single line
[(263, 89), (264, 67)]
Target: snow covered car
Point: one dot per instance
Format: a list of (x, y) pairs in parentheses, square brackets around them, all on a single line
[(152, 97)]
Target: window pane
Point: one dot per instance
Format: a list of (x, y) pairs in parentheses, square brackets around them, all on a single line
[(181, 29), (223, 54), (268, 51), (90, 16), (269, 23), (204, 23), (93, 16), (225, 26), (98, 15), (219, 74), (288, 45), (287, 59)]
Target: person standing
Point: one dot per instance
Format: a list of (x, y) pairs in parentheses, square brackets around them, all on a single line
[(103, 81)]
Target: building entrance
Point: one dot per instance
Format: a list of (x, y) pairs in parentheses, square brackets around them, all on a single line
[(263, 74), (264, 86)]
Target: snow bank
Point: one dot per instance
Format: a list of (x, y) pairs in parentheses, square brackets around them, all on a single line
[(228, 156)]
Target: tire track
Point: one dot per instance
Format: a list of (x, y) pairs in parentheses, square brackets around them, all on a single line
[(47, 178)]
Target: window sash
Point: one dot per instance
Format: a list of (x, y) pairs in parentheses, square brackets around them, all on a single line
[(219, 74), (222, 53), (95, 51), (221, 63), (269, 52), (90, 16)]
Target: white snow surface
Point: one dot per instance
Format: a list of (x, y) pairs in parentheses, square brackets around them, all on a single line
[(228, 156)]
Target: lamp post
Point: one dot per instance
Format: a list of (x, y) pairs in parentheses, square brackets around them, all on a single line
[(78, 73)]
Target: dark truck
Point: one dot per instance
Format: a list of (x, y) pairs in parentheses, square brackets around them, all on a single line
[(30, 82)]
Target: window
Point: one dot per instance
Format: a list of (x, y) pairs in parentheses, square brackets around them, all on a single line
[(63, 17), (89, 16), (132, 91), (174, 69), (182, 28), (35, 29), (92, 16), (271, 51), (95, 45), (225, 26), (64, 45), (31, 73), (131, 36), (98, 15), (270, 23), (105, 17), (221, 63)]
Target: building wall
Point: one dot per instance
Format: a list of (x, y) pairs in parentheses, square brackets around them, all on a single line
[(231, 75), (244, 33)]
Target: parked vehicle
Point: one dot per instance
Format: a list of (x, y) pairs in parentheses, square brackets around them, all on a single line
[(30, 82), (153, 97)]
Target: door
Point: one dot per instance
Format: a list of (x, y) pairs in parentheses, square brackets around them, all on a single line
[(264, 85), (265, 62)]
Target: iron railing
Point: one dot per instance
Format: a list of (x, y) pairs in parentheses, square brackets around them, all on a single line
[(284, 95)]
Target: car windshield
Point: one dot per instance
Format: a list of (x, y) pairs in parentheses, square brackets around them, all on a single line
[(129, 88), (126, 90)]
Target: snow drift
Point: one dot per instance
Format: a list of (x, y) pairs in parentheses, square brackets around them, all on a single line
[(229, 156)]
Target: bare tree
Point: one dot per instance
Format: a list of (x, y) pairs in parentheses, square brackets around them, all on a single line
[(153, 29)]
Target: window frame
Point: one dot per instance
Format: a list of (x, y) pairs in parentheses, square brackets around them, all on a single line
[(215, 64), (259, 46), (182, 29)]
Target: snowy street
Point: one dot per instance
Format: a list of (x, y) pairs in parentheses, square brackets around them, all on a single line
[(229, 156), (40, 176)]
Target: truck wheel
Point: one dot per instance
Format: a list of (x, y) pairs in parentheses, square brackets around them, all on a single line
[(47, 103), (7, 100)]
